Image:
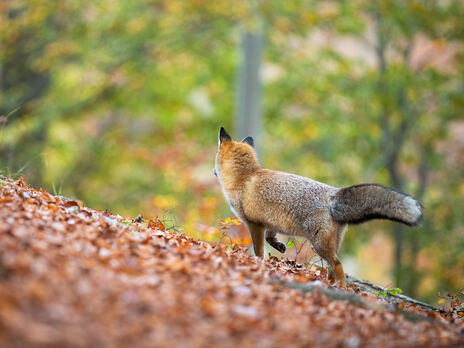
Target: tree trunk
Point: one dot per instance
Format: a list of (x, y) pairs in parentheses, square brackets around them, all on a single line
[(413, 241), (248, 102)]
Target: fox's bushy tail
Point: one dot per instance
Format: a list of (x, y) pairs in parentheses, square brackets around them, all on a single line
[(359, 203)]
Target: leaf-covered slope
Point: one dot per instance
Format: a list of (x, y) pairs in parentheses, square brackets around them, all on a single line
[(73, 276)]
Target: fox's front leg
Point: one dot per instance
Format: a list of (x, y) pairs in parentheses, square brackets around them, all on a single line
[(274, 242), (257, 236)]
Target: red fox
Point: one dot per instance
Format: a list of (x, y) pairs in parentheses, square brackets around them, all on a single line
[(271, 202)]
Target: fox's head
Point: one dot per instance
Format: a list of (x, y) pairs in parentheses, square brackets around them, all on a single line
[(234, 159)]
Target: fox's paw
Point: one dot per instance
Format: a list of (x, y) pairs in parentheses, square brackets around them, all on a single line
[(280, 247), (277, 244)]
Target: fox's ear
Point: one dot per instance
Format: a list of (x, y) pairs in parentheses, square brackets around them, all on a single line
[(223, 135), (249, 141)]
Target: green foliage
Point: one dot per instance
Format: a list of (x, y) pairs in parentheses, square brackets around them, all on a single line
[(121, 101), (290, 243), (384, 293), (57, 192)]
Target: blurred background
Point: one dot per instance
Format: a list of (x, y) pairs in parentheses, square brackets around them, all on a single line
[(118, 103)]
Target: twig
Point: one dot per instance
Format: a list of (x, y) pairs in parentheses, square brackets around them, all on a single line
[(299, 250)]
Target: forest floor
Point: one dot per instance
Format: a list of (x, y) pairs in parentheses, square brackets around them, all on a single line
[(74, 276)]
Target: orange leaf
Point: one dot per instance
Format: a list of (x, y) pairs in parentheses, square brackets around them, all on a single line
[(156, 225)]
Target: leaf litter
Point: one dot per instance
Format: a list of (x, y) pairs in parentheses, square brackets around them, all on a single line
[(71, 276)]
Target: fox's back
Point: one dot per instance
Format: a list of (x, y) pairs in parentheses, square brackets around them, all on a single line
[(287, 202)]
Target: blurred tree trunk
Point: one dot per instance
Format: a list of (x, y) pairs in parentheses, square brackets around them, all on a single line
[(413, 241), (393, 139), (248, 102)]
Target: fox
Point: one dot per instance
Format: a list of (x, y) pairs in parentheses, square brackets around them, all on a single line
[(271, 202)]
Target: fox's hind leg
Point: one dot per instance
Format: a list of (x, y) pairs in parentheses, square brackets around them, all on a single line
[(340, 235), (274, 242), (326, 245), (257, 236), (341, 229)]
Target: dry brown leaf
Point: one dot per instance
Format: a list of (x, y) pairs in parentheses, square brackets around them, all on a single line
[(74, 276)]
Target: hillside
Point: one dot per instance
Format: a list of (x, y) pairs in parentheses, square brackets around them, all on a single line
[(74, 276)]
